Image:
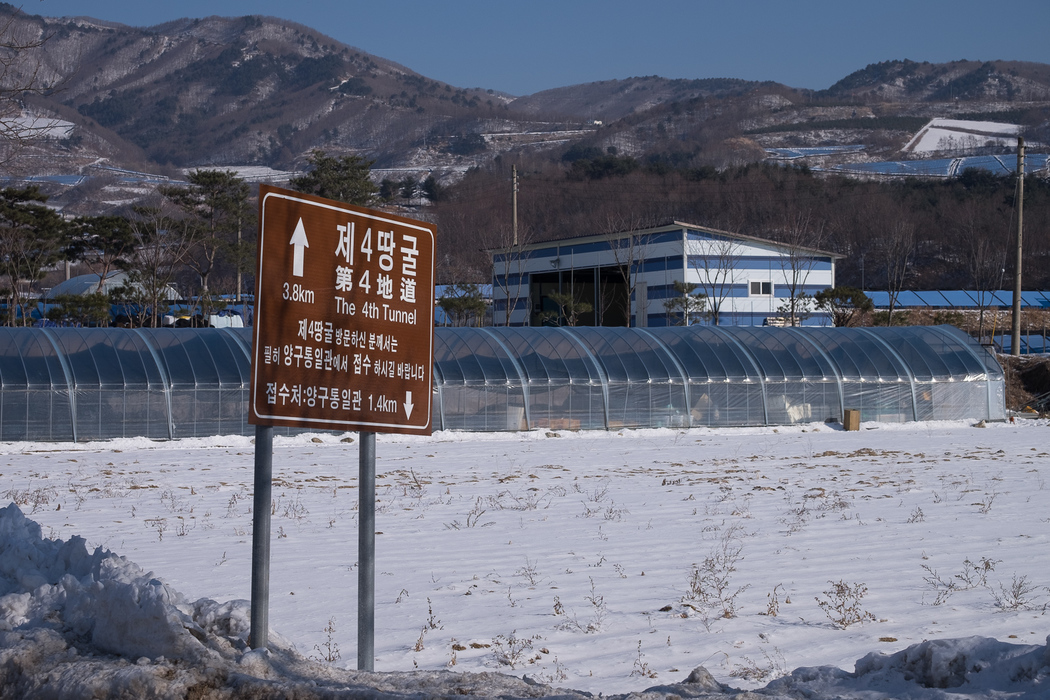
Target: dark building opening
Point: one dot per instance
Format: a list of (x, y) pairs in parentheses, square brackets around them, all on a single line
[(596, 297)]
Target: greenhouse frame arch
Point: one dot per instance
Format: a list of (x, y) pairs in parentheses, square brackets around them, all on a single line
[(79, 384)]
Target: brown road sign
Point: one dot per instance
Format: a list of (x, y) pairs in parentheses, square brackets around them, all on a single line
[(344, 317)]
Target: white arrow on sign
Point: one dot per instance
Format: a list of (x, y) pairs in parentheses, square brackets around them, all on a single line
[(300, 242), (408, 405)]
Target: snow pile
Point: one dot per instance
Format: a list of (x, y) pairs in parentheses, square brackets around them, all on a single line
[(79, 624), (63, 609), (976, 664), (100, 598), (975, 667)]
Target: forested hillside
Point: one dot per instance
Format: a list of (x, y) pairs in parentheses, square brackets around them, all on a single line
[(256, 90), (944, 234), (226, 93)]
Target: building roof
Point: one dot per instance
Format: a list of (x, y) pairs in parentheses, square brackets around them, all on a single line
[(82, 285), (960, 299), (673, 225)]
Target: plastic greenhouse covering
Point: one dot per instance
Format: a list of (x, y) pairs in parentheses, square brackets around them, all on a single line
[(60, 384)]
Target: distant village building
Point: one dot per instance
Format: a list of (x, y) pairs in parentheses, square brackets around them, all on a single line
[(627, 279), (82, 285)]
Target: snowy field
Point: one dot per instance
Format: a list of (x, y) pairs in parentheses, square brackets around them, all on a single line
[(36, 126), (256, 173), (601, 562), (958, 134)]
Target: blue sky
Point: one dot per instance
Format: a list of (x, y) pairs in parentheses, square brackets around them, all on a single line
[(531, 45)]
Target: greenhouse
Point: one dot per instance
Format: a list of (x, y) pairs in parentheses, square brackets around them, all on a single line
[(62, 384)]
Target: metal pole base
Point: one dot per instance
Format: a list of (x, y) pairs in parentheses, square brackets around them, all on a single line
[(258, 636), (366, 553)]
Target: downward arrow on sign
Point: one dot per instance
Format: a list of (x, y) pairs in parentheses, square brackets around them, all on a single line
[(408, 405), (300, 242)]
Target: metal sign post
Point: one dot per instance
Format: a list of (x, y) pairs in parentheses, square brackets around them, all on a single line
[(258, 634), (366, 553), (343, 340)]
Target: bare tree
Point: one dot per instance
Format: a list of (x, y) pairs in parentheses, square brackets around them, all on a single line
[(715, 261), (800, 236), (20, 67), (215, 206), (629, 250), (897, 251), (515, 260), (986, 247), (162, 244)]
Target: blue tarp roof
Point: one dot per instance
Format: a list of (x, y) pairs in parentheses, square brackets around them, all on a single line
[(947, 167), (960, 299)]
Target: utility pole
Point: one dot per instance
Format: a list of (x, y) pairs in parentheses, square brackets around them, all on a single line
[(514, 203), (1015, 324), (237, 298)]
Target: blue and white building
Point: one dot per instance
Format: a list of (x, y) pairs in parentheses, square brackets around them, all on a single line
[(627, 278)]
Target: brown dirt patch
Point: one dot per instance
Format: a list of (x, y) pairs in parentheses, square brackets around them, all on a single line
[(1027, 379)]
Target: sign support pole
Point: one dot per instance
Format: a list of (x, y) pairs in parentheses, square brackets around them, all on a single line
[(366, 553), (260, 611)]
